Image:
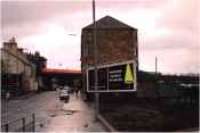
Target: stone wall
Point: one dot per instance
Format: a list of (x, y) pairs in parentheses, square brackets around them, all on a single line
[(15, 62)]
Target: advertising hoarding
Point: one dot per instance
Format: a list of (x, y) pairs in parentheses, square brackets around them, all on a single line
[(119, 77)]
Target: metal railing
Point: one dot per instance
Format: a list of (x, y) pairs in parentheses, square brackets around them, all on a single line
[(24, 124)]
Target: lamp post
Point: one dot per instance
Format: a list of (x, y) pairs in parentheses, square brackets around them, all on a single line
[(156, 65), (95, 63), (157, 79), (72, 34), (7, 95)]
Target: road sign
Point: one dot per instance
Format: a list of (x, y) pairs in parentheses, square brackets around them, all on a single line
[(120, 77)]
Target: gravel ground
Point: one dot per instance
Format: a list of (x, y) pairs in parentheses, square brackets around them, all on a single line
[(148, 116)]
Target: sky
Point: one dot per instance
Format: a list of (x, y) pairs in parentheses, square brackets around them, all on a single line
[(168, 29)]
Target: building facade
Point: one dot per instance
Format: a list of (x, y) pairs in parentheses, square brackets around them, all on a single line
[(17, 71), (116, 42), (40, 63)]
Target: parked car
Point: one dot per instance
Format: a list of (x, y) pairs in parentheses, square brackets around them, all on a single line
[(64, 95), (70, 89)]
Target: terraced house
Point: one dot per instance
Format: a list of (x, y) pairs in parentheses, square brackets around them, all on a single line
[(18, 73)]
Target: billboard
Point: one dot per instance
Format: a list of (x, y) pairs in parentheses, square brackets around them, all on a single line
[(119, 77)]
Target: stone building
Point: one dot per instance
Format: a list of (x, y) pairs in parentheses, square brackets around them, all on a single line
[(40, 63), (18, 73), (116, 42)]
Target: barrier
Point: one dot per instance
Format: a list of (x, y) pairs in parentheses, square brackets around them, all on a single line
[(24, 124)]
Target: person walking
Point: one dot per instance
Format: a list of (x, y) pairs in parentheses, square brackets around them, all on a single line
[(8, 95), (77, 91)]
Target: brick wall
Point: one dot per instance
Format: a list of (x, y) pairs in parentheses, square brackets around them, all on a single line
[(113, 45)]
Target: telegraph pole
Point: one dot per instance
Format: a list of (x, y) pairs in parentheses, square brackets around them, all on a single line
[(156, 65), (157, 79), (95, 62)]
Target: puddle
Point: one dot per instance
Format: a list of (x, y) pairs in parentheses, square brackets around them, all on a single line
[(86, 125), (63, 112), (52, 115), (70, 112)]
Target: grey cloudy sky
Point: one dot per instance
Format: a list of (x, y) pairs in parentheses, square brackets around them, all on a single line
[(168, 29)]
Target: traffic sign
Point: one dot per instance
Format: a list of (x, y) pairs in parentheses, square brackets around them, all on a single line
[(119, 77)]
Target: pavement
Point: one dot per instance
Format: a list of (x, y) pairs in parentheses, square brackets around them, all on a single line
[(74, 116), (52, 115)]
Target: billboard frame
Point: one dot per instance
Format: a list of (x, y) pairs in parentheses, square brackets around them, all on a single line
[(112, 65)]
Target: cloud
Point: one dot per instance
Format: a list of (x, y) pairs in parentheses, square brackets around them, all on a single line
[(30, 16), (20, 12), (181, 14), (166, 28), (55, 44)]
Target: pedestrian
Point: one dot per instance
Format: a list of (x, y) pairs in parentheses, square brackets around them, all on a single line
[(76, 91), (8, 95), (72, 91)]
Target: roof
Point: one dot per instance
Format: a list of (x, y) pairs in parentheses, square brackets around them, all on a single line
[(20, 56), (108, 22), (34, 57), (60, 71)]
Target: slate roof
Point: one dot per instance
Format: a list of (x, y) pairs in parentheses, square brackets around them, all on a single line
[(108, 22)]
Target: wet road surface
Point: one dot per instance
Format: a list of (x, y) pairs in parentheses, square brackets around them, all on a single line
[(51, 113), (74, 116)]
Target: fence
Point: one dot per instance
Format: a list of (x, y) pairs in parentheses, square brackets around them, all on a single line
[(24, 124)]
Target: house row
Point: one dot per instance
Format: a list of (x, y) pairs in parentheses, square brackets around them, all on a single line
[(19, 72)]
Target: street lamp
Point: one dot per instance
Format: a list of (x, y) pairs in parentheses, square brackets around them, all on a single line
[(72, 34), (95, 63)]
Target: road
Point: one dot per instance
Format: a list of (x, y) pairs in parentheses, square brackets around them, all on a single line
[(51, 113)]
